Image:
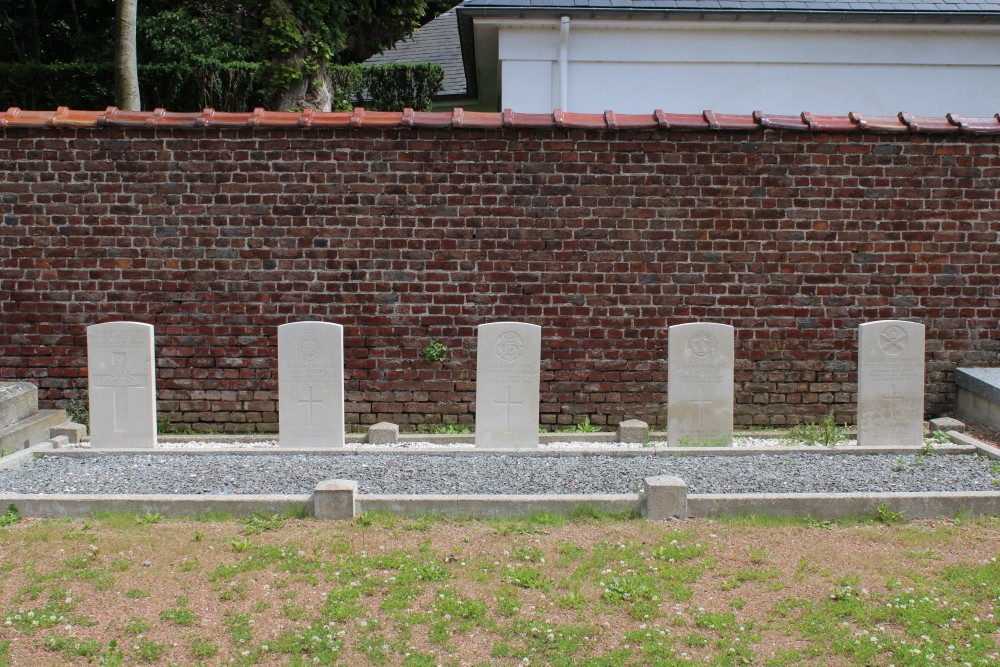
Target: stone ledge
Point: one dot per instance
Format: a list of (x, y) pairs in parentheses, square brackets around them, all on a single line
[(18, 401), (32, 430), (983, 382)]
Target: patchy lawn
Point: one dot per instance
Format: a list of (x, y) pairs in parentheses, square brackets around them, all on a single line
[(384, 590)]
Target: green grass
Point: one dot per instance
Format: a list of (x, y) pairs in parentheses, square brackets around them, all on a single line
[(594, 590)]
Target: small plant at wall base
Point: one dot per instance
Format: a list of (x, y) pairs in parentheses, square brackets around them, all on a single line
[(434, 352), (444, 429), (825, 433), (583, 427), (78, 410)]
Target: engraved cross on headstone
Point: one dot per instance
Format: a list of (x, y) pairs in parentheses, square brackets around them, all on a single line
[(121, 381), (506, 404), (310, 401), (894, 399), (701, 403)]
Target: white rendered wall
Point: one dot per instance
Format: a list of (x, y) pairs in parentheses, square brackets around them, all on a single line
[(779, 69)]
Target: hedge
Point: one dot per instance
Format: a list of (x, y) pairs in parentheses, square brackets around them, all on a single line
[(224, 86)]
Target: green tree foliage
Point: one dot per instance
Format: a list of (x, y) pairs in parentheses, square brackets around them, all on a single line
[(227, 54), (303, 38)]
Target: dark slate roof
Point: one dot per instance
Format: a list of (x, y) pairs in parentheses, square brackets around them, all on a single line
[(436, 42), (842, 6)]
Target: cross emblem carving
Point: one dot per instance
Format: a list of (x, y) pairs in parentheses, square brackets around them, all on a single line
[(506, 404), (310, 402), (701, 403), (894, 399), (120, 380)]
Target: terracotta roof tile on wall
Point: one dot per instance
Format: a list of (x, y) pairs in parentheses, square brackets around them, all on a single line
[(15, 118)]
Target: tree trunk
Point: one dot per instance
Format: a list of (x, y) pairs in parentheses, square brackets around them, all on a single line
[(126, 69), (313, 92)]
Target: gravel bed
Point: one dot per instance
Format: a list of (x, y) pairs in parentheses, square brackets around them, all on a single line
[(739, 442), (412, 473)]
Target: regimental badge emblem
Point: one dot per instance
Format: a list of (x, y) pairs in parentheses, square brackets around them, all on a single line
[(702, 345), (309, 346), (509, 346), (893, 340)]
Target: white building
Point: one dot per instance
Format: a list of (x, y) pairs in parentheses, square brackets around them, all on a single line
[(732, 56)]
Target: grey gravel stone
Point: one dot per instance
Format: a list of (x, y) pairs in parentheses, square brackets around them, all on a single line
[(502, 474)]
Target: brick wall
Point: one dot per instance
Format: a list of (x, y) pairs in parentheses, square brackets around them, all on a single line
[(604, 238)]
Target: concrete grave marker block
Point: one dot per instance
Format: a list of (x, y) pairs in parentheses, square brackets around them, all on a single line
[(890, 384), (121, 385), (664, 498), (507, 376), (311, 385), (699, 384), (335, 499)]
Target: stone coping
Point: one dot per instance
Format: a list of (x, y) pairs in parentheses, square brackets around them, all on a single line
[(963, 448), (817, 505), (347, 503), (983, 382)]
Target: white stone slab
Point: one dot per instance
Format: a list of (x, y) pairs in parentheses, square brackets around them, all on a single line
[(890, 384), (507, 377), (121, 385), (700, 384), (311, 385)]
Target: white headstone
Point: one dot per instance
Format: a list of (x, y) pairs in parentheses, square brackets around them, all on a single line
[(890, 384), (507, 376), (700, 384), (121, 385), (311, 385)]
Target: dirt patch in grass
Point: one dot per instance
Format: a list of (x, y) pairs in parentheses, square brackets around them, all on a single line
[(393, 591)]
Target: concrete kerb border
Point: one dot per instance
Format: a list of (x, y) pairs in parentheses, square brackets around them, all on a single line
[(25, 456), (338, 499), (967, 446)]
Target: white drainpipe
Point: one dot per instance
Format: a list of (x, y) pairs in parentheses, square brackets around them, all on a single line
[(564, 63)]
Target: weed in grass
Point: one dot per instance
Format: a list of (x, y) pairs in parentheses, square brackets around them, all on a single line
[(198, 536), (259, 523), (10, 517), (4, 653), (527, 577), (757, 554), (149, 518), (528, 553), (240, 627), (202, 647), (136, 593), (507, 603), (73, 647), (293, 612), (147, 651), (112, 656), (136, 625), (240, 545), (189, 565), (180, 614), (885, 515)]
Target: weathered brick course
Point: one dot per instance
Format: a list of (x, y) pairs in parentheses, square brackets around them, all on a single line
[(217, 236)]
